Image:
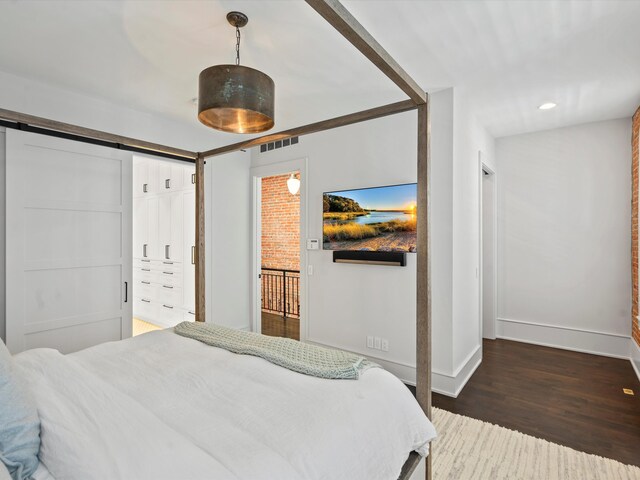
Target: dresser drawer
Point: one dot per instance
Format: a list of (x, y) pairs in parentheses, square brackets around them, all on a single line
[(144, 289), (169, 294), (144, 273), (142, 263), (170, 266), (166, 277), (144, 309), (169, 315)]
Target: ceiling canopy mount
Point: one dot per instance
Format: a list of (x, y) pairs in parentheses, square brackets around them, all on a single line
[(237, 19)]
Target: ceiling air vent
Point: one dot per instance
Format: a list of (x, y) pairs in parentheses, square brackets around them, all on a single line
[(267, 147)]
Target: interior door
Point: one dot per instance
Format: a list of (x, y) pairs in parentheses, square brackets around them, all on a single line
[(68, 245)]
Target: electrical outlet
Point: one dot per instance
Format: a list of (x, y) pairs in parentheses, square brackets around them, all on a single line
[(370, 341), (384, 345), (376, 343)]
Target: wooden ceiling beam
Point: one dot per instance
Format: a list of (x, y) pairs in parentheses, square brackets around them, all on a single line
[(393, 108), (140, 145), (345, 23)]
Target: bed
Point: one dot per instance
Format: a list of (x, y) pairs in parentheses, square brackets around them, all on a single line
[(161, 406)]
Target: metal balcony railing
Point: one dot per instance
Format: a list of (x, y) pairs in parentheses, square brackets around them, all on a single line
[(281, 292)]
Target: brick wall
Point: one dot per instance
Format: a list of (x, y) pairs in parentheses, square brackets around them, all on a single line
[(280, 224), (635, 136)]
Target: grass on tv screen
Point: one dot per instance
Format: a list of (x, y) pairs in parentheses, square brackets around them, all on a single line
[(381, 219)]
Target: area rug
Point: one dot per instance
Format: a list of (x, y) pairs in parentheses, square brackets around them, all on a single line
[(469, 449)]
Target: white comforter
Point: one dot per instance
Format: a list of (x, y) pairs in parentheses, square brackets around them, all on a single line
[(160, 406)]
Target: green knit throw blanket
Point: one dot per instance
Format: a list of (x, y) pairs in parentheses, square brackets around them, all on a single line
[(296, 356)]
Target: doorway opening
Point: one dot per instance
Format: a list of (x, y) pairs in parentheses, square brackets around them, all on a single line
[(279, 286), (488, 252), (163, 289)]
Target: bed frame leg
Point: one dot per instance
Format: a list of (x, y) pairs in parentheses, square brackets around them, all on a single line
[(423, 307), (200, 240)]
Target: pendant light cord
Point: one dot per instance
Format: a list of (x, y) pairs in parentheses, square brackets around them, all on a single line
[(237, 45)]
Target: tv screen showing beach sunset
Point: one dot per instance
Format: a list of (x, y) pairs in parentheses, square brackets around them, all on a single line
[(379, 219)]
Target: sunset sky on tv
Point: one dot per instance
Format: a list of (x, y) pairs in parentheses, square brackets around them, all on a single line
[(383, 198)]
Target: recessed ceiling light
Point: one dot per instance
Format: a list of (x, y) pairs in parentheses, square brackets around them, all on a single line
[(547, 106)]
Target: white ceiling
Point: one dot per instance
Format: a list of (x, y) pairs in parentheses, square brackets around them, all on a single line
[(507, 57)]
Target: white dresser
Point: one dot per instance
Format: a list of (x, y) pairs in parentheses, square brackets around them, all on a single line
[(163, 241)]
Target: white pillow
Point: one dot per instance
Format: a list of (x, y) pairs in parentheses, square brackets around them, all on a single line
[(19, 422)]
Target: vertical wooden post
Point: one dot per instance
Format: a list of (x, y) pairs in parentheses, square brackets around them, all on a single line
[(200, 241), (423, 310)]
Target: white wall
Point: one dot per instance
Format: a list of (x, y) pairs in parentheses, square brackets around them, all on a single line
[(564, 241), (35, 98), (441, 113), (228, 239), (470, 140), (349, 302)]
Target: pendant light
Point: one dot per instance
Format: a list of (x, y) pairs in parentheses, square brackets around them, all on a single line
[(234, 98), (293, 184)]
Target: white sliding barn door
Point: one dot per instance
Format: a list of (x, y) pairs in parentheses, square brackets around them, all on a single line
[(68, 246)]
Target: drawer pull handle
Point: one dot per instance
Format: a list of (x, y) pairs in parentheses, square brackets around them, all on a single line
[(145, 301), (191, 313), (146, 283), (146, 261), (167, 263), (167, 286), (168, 306), (145, 269), (168, 273)]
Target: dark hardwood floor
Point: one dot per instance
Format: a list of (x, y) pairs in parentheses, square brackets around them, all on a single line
[(275, 326), (574, 399)]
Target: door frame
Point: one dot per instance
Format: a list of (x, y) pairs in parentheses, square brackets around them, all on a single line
[(483, 167), (257, 173)]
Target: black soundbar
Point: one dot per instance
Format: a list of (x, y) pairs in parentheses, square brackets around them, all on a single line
[(397, 259)]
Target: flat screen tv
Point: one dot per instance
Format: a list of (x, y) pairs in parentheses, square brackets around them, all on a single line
[(380, 219)]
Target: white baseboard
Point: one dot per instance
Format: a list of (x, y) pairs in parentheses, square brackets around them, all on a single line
[(452, 385), (634, 357), (568, 338), (443, 383), (404, 371), (446, 384)]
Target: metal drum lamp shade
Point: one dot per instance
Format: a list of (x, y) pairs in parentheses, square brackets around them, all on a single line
[(237, 99), (234, 98)]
